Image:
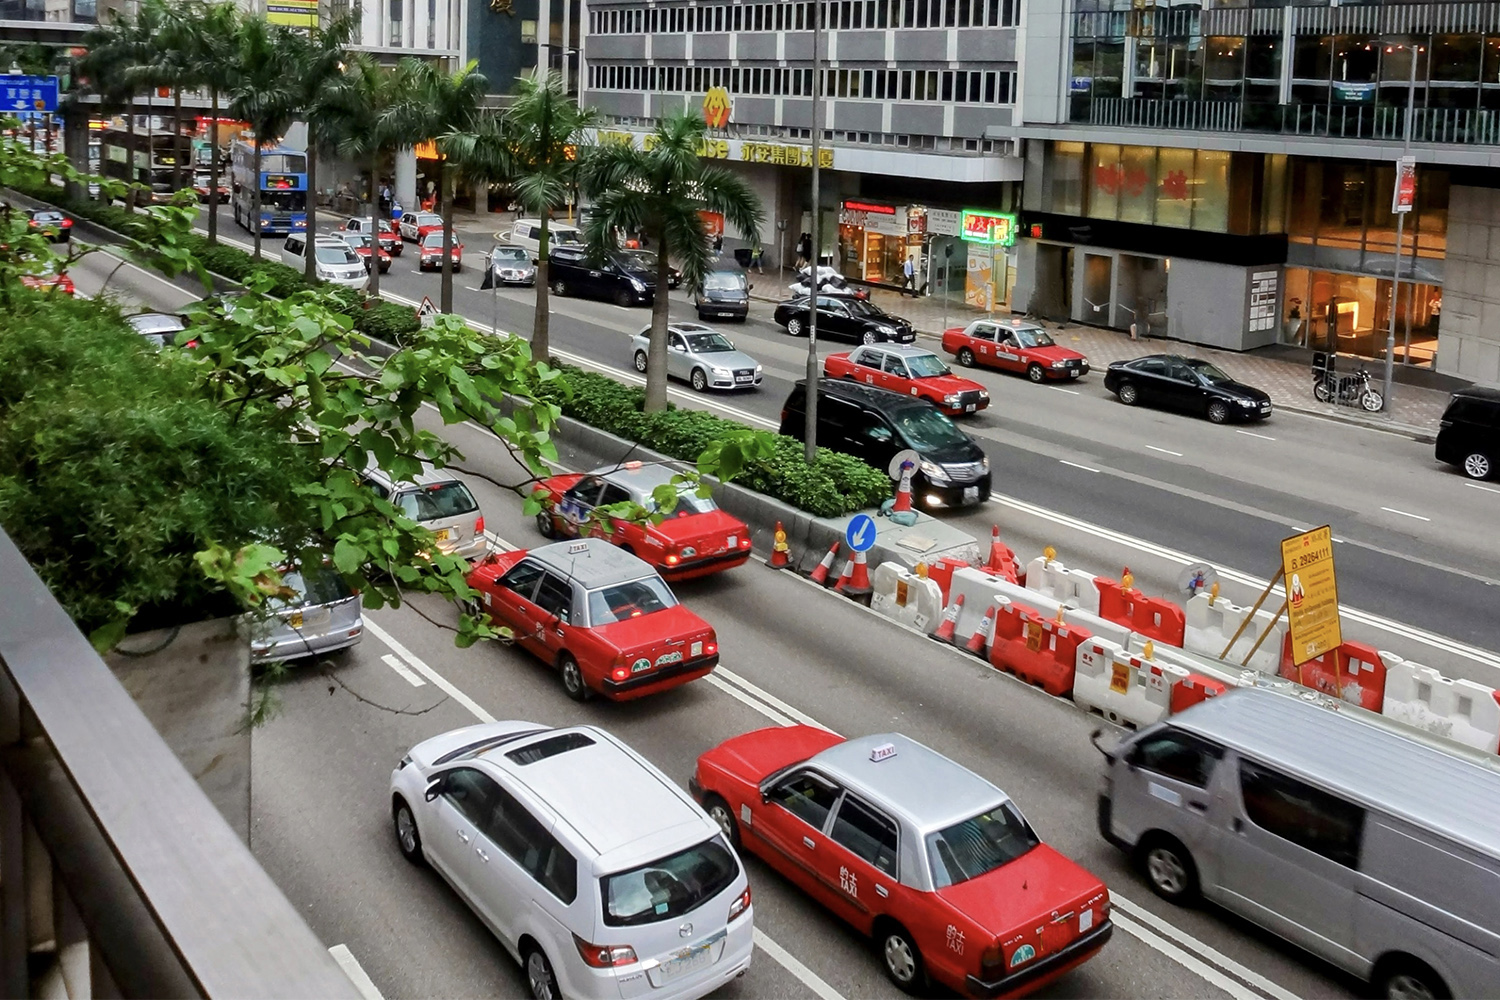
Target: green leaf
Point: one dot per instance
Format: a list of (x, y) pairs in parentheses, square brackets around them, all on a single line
[(347, 556)]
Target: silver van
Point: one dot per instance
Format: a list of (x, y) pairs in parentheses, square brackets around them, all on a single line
[(439, 502), (1371, 846), (324, 617)]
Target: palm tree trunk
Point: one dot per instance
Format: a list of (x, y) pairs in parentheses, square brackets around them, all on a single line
[(446, 193), (177, 139), (309, 263), (255, 200), (375, 220), (131, 177), (541, 333), (213, 169), (656, 356)]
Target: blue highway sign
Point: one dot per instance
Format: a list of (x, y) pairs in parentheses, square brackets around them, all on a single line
[(28, 93)]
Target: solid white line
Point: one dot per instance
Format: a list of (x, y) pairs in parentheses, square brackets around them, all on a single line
[(1075, 465), (768, 698), (442, 682), (356, 973), (498, 542), (400, 668), (1250, 976), (1070, 392), (1487, 489), (1208, 974), (1418, 517), (1263, 437), (738, 695), (1164, 451), (809, 978)]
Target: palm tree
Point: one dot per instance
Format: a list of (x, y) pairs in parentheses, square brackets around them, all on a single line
[(169, 63), (437, 106), (107, 65), (214, 52), (661, 191), (320, 58), (535, 147), (264, 93), (358, 100)]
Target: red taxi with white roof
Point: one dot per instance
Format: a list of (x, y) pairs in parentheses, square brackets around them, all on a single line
[(415, 225), (933, 861), (911, 371), (431, 251), (602, 617), (695, 539), (1017, 346)]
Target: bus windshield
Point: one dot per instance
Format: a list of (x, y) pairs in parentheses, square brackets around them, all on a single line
[(283, 201)]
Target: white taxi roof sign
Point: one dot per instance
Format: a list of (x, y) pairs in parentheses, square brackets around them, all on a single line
[(578, 547), (883, 752)]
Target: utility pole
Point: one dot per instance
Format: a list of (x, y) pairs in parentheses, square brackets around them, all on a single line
[(1401, 203), (810, 430)]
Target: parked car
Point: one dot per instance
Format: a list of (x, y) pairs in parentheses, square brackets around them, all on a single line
[(615, 278), (320, 616), (644, 262), (603, 618), (1017, 346), (440, 502), (363, 247), (701, 356), (596, 872), (49, 279), (874, 424), (511, 265), (51, 224), (390, 238), (935, 863), (1366, 842), (695, 539), (415, 226), (527, 234), (161, 329), (337, 263), (431, 250), (830, 283), (725, 292), (845, 319), (911, 371), (1469, 434), (1190, 385)]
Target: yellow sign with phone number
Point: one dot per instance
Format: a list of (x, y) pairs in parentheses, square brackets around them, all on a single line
[(1312, 594)]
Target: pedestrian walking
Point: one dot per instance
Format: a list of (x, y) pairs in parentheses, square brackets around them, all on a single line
[(804, 250), (718, 244), (756, 253), (909, 276)]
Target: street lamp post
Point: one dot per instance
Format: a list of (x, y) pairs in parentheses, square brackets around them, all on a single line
[(810, 428), (1400, 210)]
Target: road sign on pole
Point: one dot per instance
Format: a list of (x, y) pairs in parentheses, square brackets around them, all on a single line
[(860, 534), (1312, 594), (28, 93)]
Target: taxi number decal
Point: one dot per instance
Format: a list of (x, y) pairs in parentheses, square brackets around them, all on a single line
[(665, 658), (848, 881), (1119, 681), (1034, 636), (955, 939)]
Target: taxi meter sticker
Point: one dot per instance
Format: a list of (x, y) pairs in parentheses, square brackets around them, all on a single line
[(1312, 594)]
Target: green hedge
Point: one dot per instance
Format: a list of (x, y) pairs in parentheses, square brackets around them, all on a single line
[(837, 484)]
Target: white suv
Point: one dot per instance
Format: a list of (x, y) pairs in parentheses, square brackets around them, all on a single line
[(337, 263), (597, 873)]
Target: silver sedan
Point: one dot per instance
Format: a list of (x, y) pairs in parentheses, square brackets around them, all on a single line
[(701, 356)]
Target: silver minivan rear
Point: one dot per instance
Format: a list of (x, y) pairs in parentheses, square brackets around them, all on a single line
[(1374, 847), (322, 618), (441, 503)]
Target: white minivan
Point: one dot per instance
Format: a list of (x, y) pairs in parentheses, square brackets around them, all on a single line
[(337, 263), (527, 234), (597, 873)]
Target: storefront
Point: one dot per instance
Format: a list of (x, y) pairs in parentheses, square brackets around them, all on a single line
[(875, 240)]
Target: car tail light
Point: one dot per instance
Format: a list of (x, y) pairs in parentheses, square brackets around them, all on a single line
[(740, 905), (671, 560), (604, 956), (710, 648), (479, 525), (744, 543), (620, 673), (992, 959)]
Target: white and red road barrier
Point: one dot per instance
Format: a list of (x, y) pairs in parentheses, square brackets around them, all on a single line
[(1126, 688), (1069, 587), (1154, 617), (1039, 649), (1212, 622), (1354, 672), (1452, 708), (903, 596)]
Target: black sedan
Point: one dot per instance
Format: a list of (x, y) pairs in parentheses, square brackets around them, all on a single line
[(1187, 384), (846, 319)]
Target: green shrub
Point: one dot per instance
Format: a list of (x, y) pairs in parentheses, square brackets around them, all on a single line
[(386, 321)]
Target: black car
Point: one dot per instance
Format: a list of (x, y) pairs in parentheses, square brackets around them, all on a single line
[(1469, 435), (846, 319), (874, 424), (1191, 385), (725, 293), (645, 260), (621, 279)]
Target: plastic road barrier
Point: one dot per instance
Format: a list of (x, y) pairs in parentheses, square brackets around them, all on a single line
[(1154, 617), (942, 572), (1210, 624), (1070, 587), (1038, 649), (1354, 672), (1195, 688), (1454, 709), (1126, 688), (903, 596)]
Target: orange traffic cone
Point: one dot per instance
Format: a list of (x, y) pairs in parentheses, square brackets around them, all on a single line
[(944, 631), (820, 571), (780, 557), (859, 580), (846, 576), (981, 636), (903, 491), (1002, 561)]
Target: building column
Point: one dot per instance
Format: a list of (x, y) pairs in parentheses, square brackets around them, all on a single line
[(406, 179)]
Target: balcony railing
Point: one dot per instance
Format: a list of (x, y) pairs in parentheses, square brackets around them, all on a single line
[(1206, 116), (118, 877), (1455, 126)]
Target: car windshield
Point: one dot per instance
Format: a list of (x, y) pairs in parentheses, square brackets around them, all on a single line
[(283, 201), (48, 216), (316, 586), (670, 887), (724, 281), (428, 503), (1033, 338), (926, 366), (928, 430), (1210, 373), (629, 600), (336, 255), (863, 307), (708, 343), (637, 260), (510, 255), (357, 240), (970, 849)]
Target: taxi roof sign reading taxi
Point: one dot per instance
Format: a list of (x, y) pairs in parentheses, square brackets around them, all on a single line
[(1312, 594), (883, 752)]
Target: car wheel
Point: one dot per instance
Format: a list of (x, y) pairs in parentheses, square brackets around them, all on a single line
[(559, 287), (794, 327), (545, 526), (1409, 979), (623, 299), (1218, 411), (1035, 373), (700, 380), (718, 810), (1128, 393), (408, 838), (640, 361), (901, 959), (539, 976), (966, 357), (1478, 466), (868, 337), (1170, 869), (572, 678)]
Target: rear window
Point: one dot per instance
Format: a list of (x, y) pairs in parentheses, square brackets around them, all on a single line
[(429, 503), (670, 887), (313, 586), (976, 846), (629, 600)]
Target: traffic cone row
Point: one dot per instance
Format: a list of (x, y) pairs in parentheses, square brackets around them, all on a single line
[(944, 631), (981, 637)]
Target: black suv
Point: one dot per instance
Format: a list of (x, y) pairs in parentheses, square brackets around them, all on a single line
[(842, 318), (1469, 436), (620, 278), (874, 424)]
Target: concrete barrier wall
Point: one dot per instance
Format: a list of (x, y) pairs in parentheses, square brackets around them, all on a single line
[(1070, 587)]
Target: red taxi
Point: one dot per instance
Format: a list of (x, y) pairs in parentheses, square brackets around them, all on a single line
[(934, 862), (363, 247), (602, 617), (431, 249), (49, 281), (390, 238), (696, 539), (1017, 346), (415, 225), (911, 371)]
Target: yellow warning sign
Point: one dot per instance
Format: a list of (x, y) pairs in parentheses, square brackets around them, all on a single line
[(1312, 594), (716, 107)]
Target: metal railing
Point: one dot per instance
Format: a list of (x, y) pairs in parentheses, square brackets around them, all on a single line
[(118, 877), (1147, 112), (1449, 126)]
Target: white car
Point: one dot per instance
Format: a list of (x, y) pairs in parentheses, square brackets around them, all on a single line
[(700, 356), (415, 225), (596, 872), (527, 234), (337, 263)]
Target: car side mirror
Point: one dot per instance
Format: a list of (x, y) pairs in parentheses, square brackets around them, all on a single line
[(435, 788)]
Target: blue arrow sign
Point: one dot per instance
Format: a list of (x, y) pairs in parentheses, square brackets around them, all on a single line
[(28, 93), (860, 534)]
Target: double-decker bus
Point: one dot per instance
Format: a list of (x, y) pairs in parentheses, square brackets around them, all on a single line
[(283, 188), (156, 156)]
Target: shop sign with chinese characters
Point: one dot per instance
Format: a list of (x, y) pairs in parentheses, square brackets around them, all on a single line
[(1312, 594), (989, 228)]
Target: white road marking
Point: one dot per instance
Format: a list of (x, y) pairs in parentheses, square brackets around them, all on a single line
[(1250, 976), (1206, 972), (768, 698), (390, 660), (1164, 451), (1070, 392), (809, 978), (1263, 437), (1075, 465), (356, 973), (438, 679), (1487, 489), (738, 695), (1417, 517)]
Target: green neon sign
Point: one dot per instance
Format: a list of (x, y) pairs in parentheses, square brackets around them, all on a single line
[(988, 228)]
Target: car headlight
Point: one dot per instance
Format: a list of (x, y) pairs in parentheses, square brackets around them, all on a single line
[(1246, 402), (889, 331), (1059, 364), (637, 284), (984, 395), (984, 463), (757, 369), (951, 399), (324, 273), (933, 471), (722, 372)]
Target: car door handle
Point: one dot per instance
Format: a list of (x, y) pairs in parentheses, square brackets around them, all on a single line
[(463, 836), (807, 842), (482, 856), (1198, 806), (881, 891)]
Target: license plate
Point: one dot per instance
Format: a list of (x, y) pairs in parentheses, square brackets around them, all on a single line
[(969, 408), (971, 493), (1085, 921), (687, 961), (1265, 407), (744, 378), (443, 534)]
